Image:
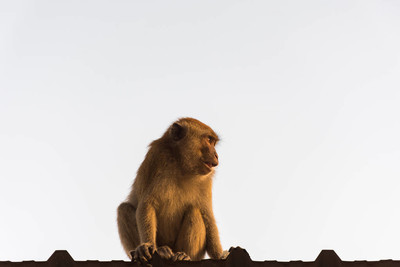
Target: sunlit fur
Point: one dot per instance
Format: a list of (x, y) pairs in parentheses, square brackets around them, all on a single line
[(170, 202)]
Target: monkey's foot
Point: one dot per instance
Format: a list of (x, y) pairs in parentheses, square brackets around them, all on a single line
[(165, 252), (180, 256), (225, 254), (143, 253)]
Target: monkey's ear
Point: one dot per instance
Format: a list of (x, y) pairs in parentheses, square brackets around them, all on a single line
[(177, 131)]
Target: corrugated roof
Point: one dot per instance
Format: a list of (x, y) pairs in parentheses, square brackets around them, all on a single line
[(238, 257)]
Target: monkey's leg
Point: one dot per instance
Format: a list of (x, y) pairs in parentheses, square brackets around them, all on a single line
[(192, 235), (127, 228)]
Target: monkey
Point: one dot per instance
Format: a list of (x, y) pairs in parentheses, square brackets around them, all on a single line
[(169, 208)]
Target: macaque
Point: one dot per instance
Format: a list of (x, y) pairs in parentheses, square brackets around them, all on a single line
[(169, 209)]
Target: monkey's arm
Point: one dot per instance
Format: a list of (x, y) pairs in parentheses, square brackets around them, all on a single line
[(147, 223), (213, 244)]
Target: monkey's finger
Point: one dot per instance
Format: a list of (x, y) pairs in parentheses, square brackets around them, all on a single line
[(174, 258), (143, 261), (136, 256), (183, 257), (140, 257), (180, 256), (152, 249), (186, 258), (132, 254), (147, 252)]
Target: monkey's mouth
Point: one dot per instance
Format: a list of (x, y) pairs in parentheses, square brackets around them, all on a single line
[(209, 165)]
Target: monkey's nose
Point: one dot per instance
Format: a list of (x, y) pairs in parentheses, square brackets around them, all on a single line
[(215, 161)]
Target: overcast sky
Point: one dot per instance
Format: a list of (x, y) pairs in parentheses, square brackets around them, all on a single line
[(304, 94)]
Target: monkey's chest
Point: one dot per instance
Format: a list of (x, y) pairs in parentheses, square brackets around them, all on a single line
[(170, 216)]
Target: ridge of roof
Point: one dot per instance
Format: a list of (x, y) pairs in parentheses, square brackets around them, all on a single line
[(238, 257)]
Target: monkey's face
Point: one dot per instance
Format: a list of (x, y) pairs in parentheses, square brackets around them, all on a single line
[(196, 145), (209, 156)]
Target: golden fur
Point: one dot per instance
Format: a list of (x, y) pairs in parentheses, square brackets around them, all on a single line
[(170, 206)]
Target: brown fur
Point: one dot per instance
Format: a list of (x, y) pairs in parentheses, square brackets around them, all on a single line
[(170, 203)]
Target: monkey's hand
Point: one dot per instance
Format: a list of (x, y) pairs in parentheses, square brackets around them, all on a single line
[(143, 253), (180, 256)]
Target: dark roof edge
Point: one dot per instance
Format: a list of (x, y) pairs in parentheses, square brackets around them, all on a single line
[(237, 257)]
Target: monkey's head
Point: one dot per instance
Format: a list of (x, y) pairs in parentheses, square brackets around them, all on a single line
[(194, 143)]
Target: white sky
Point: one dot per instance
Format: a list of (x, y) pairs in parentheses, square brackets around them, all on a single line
[(305, 95)]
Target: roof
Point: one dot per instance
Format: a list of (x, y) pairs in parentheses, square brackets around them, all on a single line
[(238, 257)]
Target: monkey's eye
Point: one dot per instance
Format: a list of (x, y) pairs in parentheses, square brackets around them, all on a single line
[(210, 139)]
